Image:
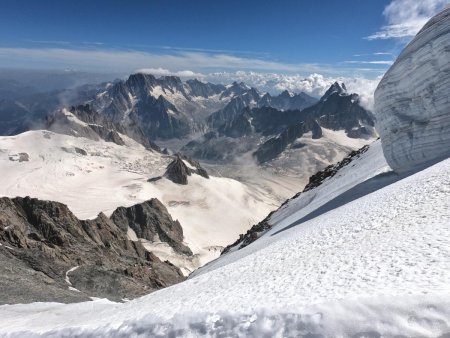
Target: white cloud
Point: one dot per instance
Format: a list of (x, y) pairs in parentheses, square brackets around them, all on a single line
[(406, 17), (313, 84), (263, 74), (376, 54), (166, 72)]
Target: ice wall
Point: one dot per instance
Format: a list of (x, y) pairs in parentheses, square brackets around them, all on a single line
[(412, 101)]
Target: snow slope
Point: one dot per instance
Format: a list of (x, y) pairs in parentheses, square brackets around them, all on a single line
[(376, 263), (98, 176)]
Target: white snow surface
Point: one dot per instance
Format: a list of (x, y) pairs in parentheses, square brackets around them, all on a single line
[(110, 176), (377, 263), (412, 102)]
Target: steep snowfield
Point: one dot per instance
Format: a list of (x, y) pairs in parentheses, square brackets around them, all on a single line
[(376, 262), (411, 101), (92, 177)]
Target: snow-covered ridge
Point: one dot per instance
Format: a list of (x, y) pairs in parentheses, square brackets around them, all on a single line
[(412, 100), (369, 165)]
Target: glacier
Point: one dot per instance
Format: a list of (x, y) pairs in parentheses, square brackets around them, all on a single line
[(412, 105)]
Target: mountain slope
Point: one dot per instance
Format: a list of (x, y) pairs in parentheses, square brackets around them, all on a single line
[(47, 254), (164, 107), (370, 256)]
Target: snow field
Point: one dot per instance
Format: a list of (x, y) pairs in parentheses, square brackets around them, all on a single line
[(377, 265)]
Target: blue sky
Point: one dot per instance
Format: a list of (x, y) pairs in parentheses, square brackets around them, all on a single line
[(333, 38)]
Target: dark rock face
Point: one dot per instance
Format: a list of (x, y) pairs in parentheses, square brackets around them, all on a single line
[(238, 127), (287, 101), (336, 88), (198, 88), (160, 119), (177, 171), (130, 103), (339, 110), (151, 220), (42, 240), (108, 130), (276, 145), (315, 180), (97, 127), (252, 99), (229, 112)]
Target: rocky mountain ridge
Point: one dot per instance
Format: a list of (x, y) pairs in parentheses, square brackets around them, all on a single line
[(167, 108), (48, 254)]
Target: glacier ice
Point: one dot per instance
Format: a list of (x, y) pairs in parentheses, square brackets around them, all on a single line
[(412, 101)]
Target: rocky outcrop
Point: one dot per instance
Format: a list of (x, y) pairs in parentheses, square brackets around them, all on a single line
[(48, 254), (151, 220), (318, 178), (83, 121), (178, 171), (412, 103), (276, 145)]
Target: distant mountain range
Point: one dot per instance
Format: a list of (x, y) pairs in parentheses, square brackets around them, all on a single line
[(166, 107), (213, 122), (267, 131)]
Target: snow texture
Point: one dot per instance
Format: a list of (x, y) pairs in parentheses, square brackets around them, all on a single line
[(373, 260), (412, 102)]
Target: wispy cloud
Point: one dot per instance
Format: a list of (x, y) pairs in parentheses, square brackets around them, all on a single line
[(406, 17), (266, 75), (50, 42), (376, 62), (215, 51), (165, 72), (113, 60), (374, 54)]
